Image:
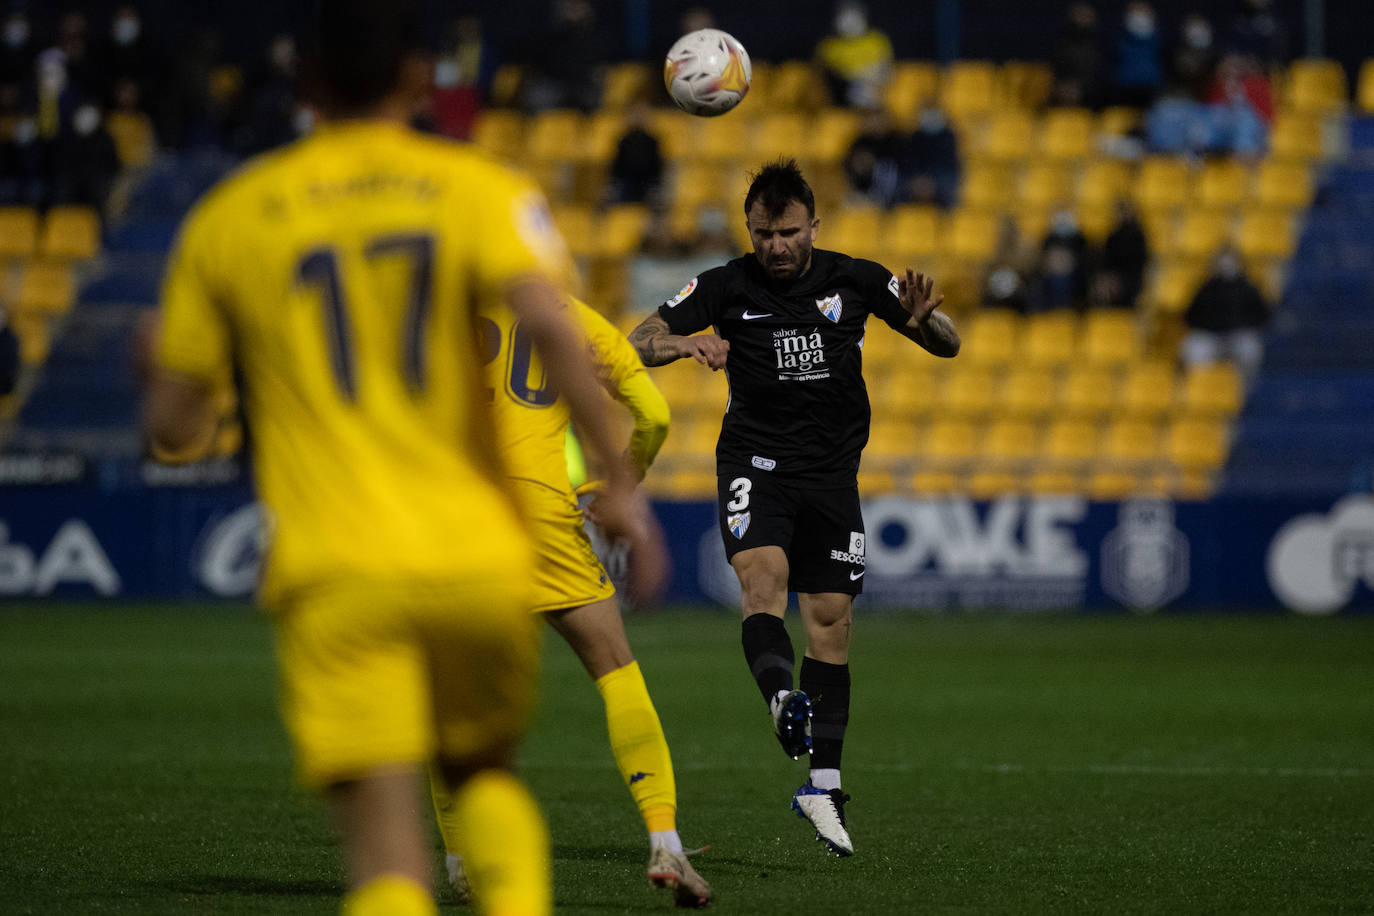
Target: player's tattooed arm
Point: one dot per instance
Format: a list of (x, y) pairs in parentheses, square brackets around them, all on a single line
[(932, 329), (657, 345)]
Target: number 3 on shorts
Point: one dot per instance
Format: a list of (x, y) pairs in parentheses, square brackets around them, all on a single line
[(740, 487)]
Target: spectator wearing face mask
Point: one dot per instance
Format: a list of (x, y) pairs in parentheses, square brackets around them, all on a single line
[(1226, 318), (930, 167), (1138, 73), (1126, 251), (872, 166), (856, 58), (1194, 56), (1063, 273), (85, 161)]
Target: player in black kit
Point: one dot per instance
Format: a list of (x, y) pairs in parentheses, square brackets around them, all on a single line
[(789, 328)]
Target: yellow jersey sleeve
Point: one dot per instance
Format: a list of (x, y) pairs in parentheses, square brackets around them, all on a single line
[(518, 237), (628, 382), (194, 339)]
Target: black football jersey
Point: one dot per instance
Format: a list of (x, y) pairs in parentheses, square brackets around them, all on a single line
[(798, 406)]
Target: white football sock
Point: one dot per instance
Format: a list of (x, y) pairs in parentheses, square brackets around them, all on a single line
[(665, 838), (825, 780)]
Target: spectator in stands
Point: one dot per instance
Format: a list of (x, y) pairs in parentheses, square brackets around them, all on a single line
[(856, 58), (565, 60), (1006, 284), (1226, 317), (872, 166), (1178, 123), (1256, 32), (1138, 73), (130, 126), (22, 168), (1077, 60), (930, 166), (696, 17), (463, 73), (54, 96), (73, 40), (1125, 253), (129, 55), (16, 49), (637, 169), (1194, 56), (1240, 107), (1063, 275), (85, 161), (270, 118)]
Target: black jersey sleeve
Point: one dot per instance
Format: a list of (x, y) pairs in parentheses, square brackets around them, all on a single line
[(697, 305), (880, 290)]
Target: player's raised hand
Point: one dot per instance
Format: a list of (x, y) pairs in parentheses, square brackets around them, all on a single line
[(707, 349), (915, 293)]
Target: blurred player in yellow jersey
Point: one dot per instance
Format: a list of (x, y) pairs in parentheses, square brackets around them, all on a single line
[(572, 590), (340, 278)]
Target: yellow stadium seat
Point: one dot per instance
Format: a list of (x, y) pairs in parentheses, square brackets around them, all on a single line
[(1028, 392), (1110, 336), (1266, 235), (1282, 184), (1364, 89), (554, 135), (1067, 133), (1130, 442), (622, 230), (891, 438), (968, 88), (1024, 84), (971, 234), (1033, 221), (577, 224), (35, 337), (832, 133), (949, 442), (1054, 482), (991, 483), (782, 134), (933, 482), (1174, 284), (987, 186), (600, 138), (1118, 121), (1103, 181), (1315, 85), (1296, 135), (694, 484), (506, 84), (1221, 183), (912, 83), (1088, 391), (1096, 222), (1148, 391), (1011, 442), (1046, 184), (857, 231), (1007, 136), (969, 391), (991, 337), (1200, 233), (626, 82), (1212, 390), (18, 233), (134, 140), (1197, 444), (1162, 183), (501, 133), (1111, 484), (1050, 338), (46, 286), (722, 139), (876, 481), (913, 231), (69, 232), (1069, 443), (674, 132)]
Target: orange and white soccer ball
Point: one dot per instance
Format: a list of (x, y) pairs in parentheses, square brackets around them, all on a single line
[(707, 72)]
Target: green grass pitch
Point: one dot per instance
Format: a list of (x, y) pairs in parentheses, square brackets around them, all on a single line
[(1219, 764)]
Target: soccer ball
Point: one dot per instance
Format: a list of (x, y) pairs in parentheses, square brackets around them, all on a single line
[(707, 72)]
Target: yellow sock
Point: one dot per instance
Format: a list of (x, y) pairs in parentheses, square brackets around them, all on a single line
[(504, 845), (641, 751), (389, 895)]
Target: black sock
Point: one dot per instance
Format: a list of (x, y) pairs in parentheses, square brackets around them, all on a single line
[(828, 687), (768, 650)]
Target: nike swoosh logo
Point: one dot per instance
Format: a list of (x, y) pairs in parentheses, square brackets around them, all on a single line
[(747, 316), (860, 575)]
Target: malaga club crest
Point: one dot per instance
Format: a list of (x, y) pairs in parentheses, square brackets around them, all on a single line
[(738, 523), (830, 307)]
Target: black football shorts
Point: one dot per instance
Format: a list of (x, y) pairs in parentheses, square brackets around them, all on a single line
[(821, 531)]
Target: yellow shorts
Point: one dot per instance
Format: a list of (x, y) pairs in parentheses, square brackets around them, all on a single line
[(567, 572), (387, 674)]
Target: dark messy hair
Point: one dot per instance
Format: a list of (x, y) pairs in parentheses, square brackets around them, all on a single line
[(355, 49), (776, 185)]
